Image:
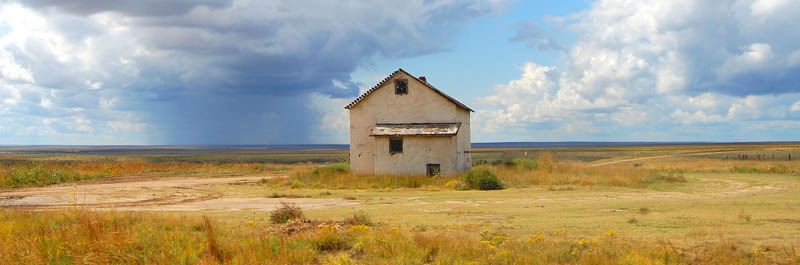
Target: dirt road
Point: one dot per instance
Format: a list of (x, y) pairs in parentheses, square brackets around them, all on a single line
[(154, 194)]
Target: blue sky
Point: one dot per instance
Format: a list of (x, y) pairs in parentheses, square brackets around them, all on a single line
[(278, 72)]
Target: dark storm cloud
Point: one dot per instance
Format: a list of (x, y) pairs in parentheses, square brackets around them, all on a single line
[(222, 71), (132, 8)]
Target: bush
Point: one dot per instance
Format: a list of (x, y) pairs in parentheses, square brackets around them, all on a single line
[(360, 218), (286, 212), (481, 179)]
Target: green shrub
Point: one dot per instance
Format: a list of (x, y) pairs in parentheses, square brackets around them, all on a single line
[(286, 212), (744, 169), (481, 179)]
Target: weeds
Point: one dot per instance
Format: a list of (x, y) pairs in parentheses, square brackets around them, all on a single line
[(80, 237), (286, 212), (360, 218)]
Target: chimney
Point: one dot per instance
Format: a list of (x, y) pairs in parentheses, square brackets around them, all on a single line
[(423, 79)]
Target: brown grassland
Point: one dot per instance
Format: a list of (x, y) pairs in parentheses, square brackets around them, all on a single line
[(693, 204)]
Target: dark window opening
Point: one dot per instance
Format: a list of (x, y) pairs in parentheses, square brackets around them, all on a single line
[(401, 86), (395, 145), (434, 170)]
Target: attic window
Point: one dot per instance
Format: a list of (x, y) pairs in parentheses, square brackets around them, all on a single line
[(395, 145), (401, 86)]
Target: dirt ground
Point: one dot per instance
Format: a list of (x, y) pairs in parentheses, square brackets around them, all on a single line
[(154, 194)]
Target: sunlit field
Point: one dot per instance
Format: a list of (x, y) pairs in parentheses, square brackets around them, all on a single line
[(709, 204)]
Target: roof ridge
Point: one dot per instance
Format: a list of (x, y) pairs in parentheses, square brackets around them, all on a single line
[(382, 82)]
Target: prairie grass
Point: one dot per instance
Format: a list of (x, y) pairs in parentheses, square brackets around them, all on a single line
[(338, 176), (16, 173), (706, 165), (85, 237), (519, 172)]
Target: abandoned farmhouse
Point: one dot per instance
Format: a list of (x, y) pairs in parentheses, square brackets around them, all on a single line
[(405, 126)]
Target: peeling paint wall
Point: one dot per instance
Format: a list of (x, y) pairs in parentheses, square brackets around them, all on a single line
[(370, 155)]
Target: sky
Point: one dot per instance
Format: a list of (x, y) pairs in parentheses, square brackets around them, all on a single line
[(223, 72)]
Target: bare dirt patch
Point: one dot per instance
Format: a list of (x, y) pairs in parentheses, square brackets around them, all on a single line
[(154, 194)]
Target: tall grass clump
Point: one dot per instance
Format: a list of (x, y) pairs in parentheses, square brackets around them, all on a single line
[(481, 179)]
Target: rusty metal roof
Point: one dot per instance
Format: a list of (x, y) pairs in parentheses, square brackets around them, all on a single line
[(360, 98), (415, 129)]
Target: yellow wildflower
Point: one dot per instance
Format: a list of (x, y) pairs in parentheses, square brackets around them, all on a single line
[(611, 232), (583, 242), (359, 228), (387, 189), (251, 222), (451, 184), (533, 239)]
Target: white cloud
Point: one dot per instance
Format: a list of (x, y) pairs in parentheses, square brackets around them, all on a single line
[(46, 103), (645, 63), (704, 101), (127, 126), (795, 107), (755, 56), (683, 117), (334, 126), (766, 7)]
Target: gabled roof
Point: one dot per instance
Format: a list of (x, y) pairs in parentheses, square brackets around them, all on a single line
[(360, 98), (415, 129)]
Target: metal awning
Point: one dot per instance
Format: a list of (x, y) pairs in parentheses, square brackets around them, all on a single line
[(415, 129)]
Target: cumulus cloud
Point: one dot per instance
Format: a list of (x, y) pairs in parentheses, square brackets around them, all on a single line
[(201, 72), (795, 107), (658, 66)]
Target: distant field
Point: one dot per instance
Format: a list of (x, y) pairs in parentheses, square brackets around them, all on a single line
[(673, 204)]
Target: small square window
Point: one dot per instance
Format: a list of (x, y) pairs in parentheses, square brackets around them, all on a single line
[(434, 170), (401, 86), (395, 145)]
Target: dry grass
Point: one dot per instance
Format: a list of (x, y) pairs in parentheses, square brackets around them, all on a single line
[(545, 170), (77, 236), (338, 176), (15, 173)]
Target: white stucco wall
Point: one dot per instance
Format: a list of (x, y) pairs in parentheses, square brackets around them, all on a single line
[(370, 155)]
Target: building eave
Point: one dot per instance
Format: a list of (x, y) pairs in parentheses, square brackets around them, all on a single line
[(368, 92)]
